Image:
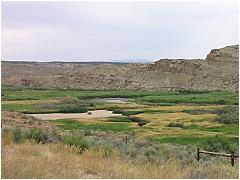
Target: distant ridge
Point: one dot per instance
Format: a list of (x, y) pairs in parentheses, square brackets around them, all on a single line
[(219, 71), (78, 62), (63, 62)]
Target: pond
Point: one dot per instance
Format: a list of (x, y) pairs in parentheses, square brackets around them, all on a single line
[(112, 100)]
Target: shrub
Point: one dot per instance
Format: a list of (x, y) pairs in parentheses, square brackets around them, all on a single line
[(87, 133), (117, 111), (142, 123), (228, 115), (17, 136), (196, 111), (129, 113), (77, 141), (37, 135), (107, 150), (77, 109), (112, 108), (175, 124), (219, 143), (135, 119), (119, 119)]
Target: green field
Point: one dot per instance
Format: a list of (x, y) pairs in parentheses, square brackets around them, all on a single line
[(185, 117)]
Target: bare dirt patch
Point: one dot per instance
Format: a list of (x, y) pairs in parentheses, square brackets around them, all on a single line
[(87, 115)]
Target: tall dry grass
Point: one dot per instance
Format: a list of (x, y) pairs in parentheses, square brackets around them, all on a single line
[(31, 160)]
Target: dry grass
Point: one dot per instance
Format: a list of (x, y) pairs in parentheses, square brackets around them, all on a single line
[(33, 102), (178, 116), (159, 121), (178, 108), (32, 160)]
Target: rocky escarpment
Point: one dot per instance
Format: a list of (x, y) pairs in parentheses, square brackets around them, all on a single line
[(226, 54), (219, 71)]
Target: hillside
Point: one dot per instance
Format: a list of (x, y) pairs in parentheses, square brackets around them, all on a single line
[(219, 71)]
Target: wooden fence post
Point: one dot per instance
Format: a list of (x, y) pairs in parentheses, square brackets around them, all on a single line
[(232, 158), (198, 154), (126, 139)]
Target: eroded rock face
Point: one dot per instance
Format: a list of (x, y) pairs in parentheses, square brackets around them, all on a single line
[(226, 54), (219, 71)]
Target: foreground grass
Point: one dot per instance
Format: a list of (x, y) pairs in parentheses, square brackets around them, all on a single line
[(77, 156), (30, 160)]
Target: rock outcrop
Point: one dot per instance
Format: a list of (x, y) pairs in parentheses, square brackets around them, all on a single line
[(219, 71)]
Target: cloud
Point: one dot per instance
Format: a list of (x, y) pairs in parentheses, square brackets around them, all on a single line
[(116, 30)]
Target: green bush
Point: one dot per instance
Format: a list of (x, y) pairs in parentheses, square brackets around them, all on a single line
[(37, 135), (220, 143), (228, 115), (107, 150), (18, 136), (175, 124), (142, 123), (119, 119), (135, 119), (117, 111), (77, 109), (197, 111), (76, 141), (129, 113), (87, 133)]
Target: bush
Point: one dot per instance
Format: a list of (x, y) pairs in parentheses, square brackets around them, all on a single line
[(136, 119), (228, 115), (219, 143), (77, 109), (87, 133), (119, 119), (37, 135), (18, 136), (117, 111), (142, 123), (76, 141), (197, 111), (175, 124), (129, 113), (107, 150)]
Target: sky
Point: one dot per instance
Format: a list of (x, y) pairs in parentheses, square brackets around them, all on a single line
[(116, 31)]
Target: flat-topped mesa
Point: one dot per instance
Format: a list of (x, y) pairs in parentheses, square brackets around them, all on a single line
[(228, 53)]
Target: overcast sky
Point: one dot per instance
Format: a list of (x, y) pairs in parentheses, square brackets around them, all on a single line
[(105, 31)]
